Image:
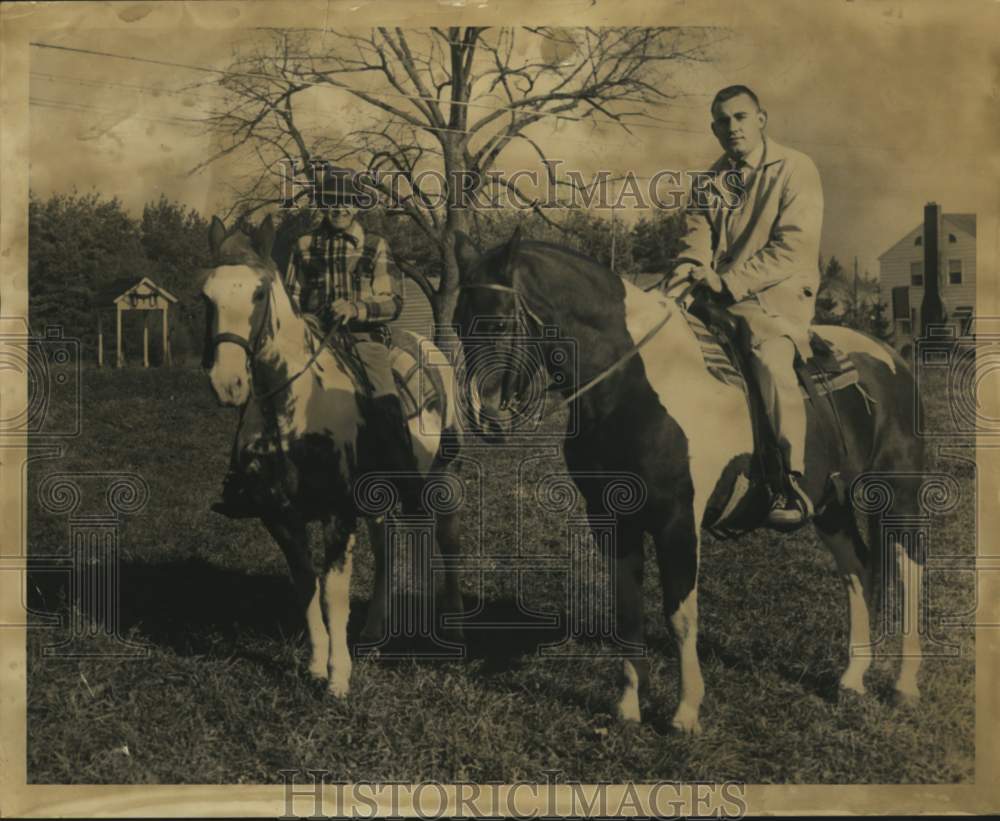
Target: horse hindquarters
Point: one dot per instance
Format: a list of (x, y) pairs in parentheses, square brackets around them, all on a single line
[(887, 491)]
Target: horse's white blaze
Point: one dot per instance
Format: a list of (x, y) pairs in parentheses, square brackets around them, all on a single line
[(229, 375), (852, 342), (911, 575), (337, 601), (231, 289), (628, 705), (685, 625), (319, 640)]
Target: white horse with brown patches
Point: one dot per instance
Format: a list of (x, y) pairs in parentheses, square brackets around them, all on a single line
[(304, 445), (643, 402)]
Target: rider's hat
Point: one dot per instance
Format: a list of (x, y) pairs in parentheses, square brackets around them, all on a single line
[(337, 187)]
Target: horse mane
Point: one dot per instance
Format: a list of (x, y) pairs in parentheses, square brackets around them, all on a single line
[(552, 273)]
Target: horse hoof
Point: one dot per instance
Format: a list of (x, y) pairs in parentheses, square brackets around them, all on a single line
[(338, 689), (848, 695), (905, 700), (318, 673), (686, 722)]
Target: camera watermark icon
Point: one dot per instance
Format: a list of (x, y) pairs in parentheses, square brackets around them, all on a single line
[(967, 367), (508, 381), (907, 507), (93, 560), (50, 365), (585, 623)]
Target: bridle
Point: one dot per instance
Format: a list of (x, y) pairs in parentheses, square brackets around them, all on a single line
[(252, 349), (521, 304)]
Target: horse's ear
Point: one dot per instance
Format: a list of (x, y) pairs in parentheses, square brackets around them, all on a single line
[(467, 253), (216, 235), (263, 239), (513, 245)]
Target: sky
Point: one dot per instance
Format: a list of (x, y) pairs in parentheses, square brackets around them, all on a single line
[(895, 111)]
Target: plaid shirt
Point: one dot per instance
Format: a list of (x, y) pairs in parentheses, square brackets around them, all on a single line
[(326, 266)]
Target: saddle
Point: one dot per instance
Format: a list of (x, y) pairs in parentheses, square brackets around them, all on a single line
[(725, 347), (725, 341), (419, 387)]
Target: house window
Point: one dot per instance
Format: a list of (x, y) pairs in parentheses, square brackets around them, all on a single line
[(916, 273), (904, 327), (954, 272)]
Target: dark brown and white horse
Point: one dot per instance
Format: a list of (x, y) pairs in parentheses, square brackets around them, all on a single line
[(305, 443), (658, 414)]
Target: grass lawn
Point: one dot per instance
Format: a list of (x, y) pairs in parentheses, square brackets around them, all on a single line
[(222, 695)]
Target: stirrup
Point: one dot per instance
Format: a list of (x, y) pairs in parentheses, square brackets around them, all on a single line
[(789, 513), (786, 514)]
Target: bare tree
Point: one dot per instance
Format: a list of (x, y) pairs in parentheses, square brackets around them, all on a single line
[(446, 99)]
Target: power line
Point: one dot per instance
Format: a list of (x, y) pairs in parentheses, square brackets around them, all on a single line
[(87, 81), (66, 105), (313, 84), (665, 126)]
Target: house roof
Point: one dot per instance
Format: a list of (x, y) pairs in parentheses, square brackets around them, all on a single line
[(118, 288), (964, 222)]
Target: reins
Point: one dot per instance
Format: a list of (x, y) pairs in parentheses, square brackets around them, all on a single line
[(521, 304)]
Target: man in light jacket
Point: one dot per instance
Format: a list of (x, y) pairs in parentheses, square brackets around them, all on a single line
[(752, 232)]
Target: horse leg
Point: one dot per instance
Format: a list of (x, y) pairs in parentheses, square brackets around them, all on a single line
[(677, 552), (374, 629), (839, 532), (339, 537), (628, 569), (910, 566), (449, 543), (293, 538)]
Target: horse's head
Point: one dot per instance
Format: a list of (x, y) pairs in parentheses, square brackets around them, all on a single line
[(237, 292), (502, 381)]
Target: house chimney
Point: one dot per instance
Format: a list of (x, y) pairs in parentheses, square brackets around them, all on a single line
[(931, 308)]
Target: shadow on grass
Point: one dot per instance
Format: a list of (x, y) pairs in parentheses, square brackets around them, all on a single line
[(194, 607)]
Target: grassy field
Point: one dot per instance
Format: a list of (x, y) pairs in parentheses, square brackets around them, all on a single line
[(223, 697)]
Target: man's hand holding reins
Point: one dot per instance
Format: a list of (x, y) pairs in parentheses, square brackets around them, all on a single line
[(344, 309), (697, 275)]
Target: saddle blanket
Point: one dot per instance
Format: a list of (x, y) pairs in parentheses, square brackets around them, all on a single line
[(419, 387), (832, 375)]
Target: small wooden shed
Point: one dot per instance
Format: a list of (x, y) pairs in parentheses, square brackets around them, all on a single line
[(131, 295)]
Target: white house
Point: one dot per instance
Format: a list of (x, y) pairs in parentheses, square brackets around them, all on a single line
[(903, 270)]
